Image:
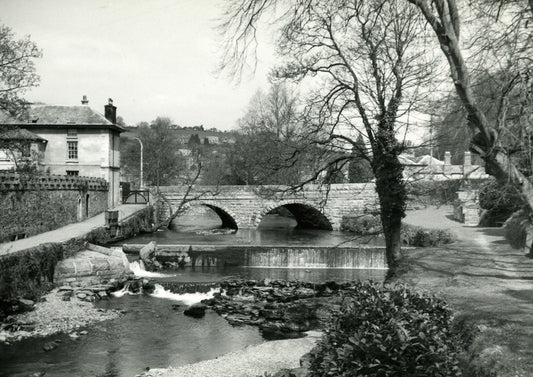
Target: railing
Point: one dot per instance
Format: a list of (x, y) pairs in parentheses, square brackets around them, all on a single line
[(136, 197)]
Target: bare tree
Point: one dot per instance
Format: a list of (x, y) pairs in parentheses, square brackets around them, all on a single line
[(17, 71), (369, 68), (187, 181), (506, 44)]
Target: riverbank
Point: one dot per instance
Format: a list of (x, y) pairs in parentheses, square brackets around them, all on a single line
[(253, 361), (488, 285), (52, 315)]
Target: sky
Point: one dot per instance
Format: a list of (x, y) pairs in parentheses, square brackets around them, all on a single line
[(153, 58)]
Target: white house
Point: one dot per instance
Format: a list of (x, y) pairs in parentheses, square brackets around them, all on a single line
[(80, 141)]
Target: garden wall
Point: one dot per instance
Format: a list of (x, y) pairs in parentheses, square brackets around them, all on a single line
[(35, 204)]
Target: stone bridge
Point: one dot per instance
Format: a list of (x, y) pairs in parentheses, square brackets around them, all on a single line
[(242, 207)]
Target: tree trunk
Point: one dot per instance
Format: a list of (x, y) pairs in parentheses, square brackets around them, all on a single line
[(392, 199)]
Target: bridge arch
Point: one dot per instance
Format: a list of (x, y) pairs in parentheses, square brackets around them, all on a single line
[(226, 216), (306, 215)]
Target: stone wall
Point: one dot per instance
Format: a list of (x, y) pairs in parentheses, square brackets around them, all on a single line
[(30, 272), (246, 205), (35, 204), (466, 208)]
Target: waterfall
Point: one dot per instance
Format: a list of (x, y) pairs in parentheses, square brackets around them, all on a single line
[(186, 298), (125, 291), (138, 269), (316, 257)]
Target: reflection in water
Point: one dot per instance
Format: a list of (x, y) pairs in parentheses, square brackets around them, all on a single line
[(274, 230)]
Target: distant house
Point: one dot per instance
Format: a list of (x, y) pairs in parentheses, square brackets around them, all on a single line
[(20, 148), (80, 141)]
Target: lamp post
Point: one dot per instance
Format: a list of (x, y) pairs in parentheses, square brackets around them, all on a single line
[(141, 175)]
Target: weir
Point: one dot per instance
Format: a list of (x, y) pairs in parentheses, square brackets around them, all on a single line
[(362, 257)]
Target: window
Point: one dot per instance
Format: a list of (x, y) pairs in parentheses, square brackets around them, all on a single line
[(72, 150), (26, 150), (73, 173)]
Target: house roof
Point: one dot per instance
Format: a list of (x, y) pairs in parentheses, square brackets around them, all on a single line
[(405, 160), (20, 134), (61, 116), (428, 160)]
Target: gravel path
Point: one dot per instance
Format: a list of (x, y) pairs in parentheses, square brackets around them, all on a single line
[(268, 357)]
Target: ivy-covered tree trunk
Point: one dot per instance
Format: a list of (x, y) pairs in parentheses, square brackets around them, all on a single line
[(391, 192)]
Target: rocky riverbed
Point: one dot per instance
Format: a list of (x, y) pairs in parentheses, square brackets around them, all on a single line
[(65, 309), (54, 314), (281, 309)]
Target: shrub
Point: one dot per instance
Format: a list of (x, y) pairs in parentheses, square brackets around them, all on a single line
[(411, 235), (515, 229), (381, 331), (432, 192), (499, 202), (362, 225), (424, 237)]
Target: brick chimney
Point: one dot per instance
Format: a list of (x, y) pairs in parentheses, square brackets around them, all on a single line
[(110, 111), (84, 100)]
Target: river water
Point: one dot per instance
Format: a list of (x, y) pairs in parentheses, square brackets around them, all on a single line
[(154, 332)]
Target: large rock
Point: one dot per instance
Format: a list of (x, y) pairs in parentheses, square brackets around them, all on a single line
[(147, 253), (92, 267), (196, 310)]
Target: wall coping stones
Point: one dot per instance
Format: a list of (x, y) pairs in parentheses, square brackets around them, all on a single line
[(10, 181)]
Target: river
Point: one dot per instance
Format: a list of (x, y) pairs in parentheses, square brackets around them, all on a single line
[(154, 332)]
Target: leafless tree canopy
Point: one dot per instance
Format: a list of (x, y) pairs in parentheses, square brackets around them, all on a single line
[(17, 71)]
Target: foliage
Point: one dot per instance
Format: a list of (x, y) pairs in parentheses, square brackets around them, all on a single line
[(434, 192), (17, 71), (411, 235), (499, 202), (387, 331), (268, 149), (194, 140), (515, 228), (425, 237), (363, 225), (162, 163)]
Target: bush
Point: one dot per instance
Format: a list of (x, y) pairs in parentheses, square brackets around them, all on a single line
[(381, 331), (362, 225), (432, 192), (515, 229), (424, 237), (499, 202), (411, 235)]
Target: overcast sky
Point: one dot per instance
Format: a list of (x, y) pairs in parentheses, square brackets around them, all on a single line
[(154, 58)]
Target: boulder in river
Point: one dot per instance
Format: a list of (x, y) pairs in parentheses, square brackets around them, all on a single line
[(196, 310), (147, 252)]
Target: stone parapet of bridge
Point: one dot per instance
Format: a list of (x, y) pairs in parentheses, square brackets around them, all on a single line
[(243, 207)]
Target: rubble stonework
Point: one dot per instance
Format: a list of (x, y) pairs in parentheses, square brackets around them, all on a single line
[(35, 204)]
